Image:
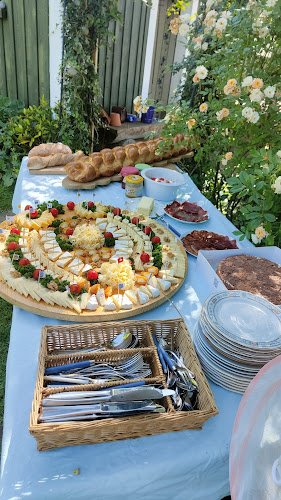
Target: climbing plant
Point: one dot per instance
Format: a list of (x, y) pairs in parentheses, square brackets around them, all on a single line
[(85, 29)]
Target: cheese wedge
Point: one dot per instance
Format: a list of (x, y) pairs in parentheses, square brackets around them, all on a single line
[(86, 268), (154, 291), (92, 304), (100, 220), (54, 253), (76, 269), (132, 296), (62, 262), (126, 302), (109, 305), (153, 281), (49, 245), (146, 290), (101, 297), (143, 297), (84, 300), (163, 284), (166, 272), (117, 299)]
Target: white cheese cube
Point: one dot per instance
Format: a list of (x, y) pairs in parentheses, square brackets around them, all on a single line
[(145, 206)]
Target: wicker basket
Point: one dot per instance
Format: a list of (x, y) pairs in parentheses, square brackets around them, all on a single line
[(57, 339)]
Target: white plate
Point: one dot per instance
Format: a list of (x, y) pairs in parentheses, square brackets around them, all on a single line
[(245, 319), (158, 209), (184, 221)]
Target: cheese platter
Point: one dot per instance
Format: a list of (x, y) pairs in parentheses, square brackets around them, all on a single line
[(88, 261)]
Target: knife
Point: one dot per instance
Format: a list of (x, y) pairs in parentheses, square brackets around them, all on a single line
[(108, 408), (112, 395)]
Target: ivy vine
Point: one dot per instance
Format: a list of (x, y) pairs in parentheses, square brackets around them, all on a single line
[(85, 30)]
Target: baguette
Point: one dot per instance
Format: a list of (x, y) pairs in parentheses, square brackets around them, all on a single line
[(108, 162)]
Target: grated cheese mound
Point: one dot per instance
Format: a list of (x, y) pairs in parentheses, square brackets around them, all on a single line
[(113, 274), (87, 237)]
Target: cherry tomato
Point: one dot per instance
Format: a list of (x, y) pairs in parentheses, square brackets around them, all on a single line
[(75, 288), (153, 178), (108, 235), (161, 179), (168, 182), (24, 262), (144, 257), (135, 220), (54, 211), (92, 275), (69, 231), (70, 205), (155, 239), (91, 204), (28, 207), (147, 230), (36, 273), (34, 214), (15, 231), (12, 246), (117, 211)]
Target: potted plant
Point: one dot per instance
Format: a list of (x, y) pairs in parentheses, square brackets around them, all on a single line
[(145, 107)]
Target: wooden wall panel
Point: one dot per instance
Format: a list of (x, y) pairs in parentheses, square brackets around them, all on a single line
[(24, 51)]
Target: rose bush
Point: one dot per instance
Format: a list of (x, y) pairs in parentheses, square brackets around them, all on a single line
[(229, 106)]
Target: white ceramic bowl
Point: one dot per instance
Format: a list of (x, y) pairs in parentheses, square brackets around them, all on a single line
[(160, 190)]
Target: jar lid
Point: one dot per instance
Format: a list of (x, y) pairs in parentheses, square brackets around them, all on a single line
[(134, 179), (129, 171), (142, 166)]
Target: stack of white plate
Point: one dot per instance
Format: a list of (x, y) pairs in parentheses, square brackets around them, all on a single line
[(237, 333)]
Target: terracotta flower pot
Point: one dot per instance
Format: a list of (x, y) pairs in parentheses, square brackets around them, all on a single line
[(115, 120)]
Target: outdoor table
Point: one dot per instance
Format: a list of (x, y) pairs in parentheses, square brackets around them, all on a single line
[(182, 465)]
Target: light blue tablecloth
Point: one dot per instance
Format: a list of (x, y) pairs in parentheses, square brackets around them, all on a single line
[(184, 465)]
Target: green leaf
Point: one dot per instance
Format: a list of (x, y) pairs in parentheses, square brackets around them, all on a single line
[(236, 233), (270, 217)]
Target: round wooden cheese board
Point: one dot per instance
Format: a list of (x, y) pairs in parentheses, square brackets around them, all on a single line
[(42, 308)]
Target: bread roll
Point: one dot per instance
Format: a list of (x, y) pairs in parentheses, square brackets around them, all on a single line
[(108, 162), (40, 162)]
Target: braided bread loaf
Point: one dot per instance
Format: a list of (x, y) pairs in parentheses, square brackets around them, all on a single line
[(50, 155), (110, 161)]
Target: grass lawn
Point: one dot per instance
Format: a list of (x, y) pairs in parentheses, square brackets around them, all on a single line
[(6, 309)]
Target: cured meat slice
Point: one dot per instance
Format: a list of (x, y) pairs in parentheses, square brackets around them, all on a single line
[(206, 240), (188, 212)]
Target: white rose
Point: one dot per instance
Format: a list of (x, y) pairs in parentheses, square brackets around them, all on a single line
[(209, 4), (224, 161), (263, 32), (269, 91), (211, 13), (271, 3), (278, 154), (226, 14), (137, 100), (277, 185), (247, 81), (221, 23), (247, 112), (255, 240), (204, 46), (184, 18), (255, 117), (256, 95), (183, 29), (201, 72)]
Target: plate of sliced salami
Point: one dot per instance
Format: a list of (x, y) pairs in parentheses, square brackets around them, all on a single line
[(206, 240), (188, 213)]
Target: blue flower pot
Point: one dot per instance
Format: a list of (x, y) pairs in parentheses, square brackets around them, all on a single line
[(148, 116)]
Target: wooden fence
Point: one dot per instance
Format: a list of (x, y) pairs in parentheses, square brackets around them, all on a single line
[(24, 51), (121, 65)]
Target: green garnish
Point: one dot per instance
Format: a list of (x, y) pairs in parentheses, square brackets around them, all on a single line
[(109, 242)]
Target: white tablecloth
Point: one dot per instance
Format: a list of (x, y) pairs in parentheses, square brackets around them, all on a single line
[(189, 464)]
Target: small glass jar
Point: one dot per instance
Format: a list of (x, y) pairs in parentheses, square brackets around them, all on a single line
[(133, 186)]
